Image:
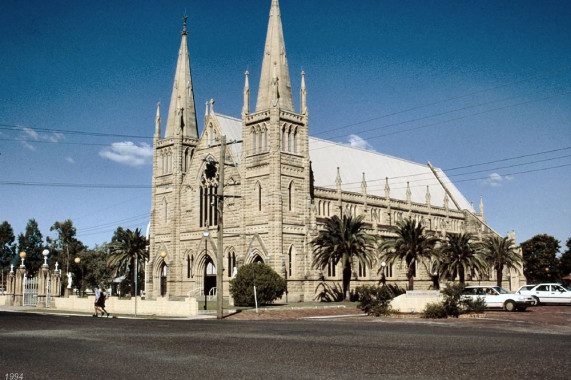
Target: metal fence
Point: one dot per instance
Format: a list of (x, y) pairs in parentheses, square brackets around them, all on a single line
[(30, 291)]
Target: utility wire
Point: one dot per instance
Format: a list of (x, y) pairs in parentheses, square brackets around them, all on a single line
[(548, 73)]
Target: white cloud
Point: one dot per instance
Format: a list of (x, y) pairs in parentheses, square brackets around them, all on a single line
[(496, 180), (358, 142), (29, 135), (128, 153), (70, 160)]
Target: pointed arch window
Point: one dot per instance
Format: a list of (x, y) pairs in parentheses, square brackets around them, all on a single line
[(295, 135), (208, 195), (290, 195), (362, 270), (258, 193), (331, 270), (289, 261), (231, 263)]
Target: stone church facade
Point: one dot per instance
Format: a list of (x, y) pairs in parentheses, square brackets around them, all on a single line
[(280, 185)]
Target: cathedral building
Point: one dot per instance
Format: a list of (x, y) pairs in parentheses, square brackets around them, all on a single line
[(273, 186)]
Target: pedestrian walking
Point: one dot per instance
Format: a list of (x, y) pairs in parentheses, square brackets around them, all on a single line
[(101, 302), (96, 303)]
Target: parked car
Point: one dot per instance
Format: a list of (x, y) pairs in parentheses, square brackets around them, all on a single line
[(525, 288), (498, 297), (548, 293)]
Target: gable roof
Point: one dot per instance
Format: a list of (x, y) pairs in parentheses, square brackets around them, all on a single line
[(327, 156)]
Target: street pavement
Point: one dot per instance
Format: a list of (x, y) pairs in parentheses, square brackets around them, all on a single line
[(47, 346)]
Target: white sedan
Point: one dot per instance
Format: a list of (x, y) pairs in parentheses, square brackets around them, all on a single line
[(550, 293), (498, 297)]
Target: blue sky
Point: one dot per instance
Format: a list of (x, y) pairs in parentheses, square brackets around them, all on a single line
[(480, 89)]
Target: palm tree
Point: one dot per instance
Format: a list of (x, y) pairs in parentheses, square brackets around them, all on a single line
[(126, 247), (459, 255), (501, 252), (411, 244), (343, 240)]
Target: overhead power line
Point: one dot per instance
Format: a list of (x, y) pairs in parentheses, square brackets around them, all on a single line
[(546, 74), (81, 185)]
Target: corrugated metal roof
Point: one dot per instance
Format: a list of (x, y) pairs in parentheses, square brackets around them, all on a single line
[(232, 128), (327, 156)]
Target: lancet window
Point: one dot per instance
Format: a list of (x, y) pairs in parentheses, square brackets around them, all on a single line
[(289, 138), (208, 203), (259, 139)]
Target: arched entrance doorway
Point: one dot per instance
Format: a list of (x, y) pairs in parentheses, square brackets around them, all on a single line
[(209, 276)]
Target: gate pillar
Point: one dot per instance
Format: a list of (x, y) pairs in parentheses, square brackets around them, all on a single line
[(56, 283), (43, 275), (19, 286), (11, 287)]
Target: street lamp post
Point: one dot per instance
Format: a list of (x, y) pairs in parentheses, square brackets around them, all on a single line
[(254, 278), (383, 277), (77, 260), (205, 234), (45, 253)]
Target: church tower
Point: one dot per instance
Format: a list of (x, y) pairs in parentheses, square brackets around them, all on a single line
[(172, 155), (275, 158)]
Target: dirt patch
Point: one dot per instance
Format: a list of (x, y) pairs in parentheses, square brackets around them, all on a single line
[(295, 313), (545, 315)]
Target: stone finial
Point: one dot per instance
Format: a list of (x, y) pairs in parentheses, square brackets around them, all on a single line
[(338, 179), (184, 32), (387, 189), (158, 120), (303, 95), (428, 195), (408, 193), (246, 107), (481, 207)]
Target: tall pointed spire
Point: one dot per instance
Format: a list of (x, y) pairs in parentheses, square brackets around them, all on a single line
[(181, 106), (274, 66)]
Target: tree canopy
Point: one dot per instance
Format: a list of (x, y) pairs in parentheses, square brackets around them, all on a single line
[(125, 249), (7, 245), (459, 255), (412, 244), (500, 253), (540, 260), (343, 240)]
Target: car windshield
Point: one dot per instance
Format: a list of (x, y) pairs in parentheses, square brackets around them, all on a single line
[(501, 290), (567, 287)]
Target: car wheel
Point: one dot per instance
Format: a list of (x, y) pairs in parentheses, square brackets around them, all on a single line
[(535, 301), (510, 305)]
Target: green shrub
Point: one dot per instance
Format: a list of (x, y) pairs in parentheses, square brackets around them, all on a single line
[(270, 286), (474, 306), (330, 293), (451, 301), (375, 300), (434, 310)]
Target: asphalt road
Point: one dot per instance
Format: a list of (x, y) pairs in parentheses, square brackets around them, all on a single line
[(66, 347)]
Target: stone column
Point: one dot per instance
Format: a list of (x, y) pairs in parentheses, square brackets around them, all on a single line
[(42, 283), (56, 283), (19, 286), (11, 288)]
